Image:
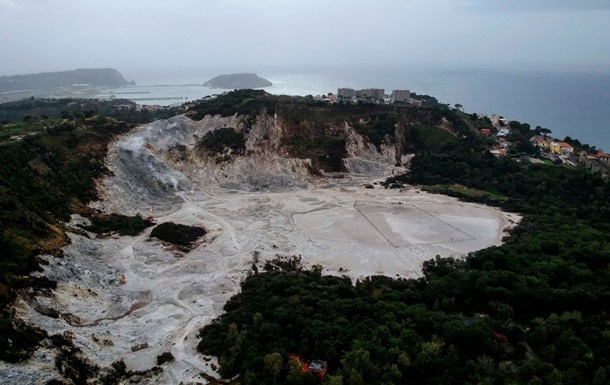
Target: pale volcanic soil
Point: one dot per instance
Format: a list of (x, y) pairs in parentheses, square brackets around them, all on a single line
[(118, 292)]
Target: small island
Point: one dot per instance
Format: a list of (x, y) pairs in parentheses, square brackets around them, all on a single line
[(238, 81)]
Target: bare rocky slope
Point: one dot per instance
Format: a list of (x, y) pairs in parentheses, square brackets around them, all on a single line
[(166, 156)]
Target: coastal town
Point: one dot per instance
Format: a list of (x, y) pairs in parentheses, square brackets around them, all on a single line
[(545, 149)]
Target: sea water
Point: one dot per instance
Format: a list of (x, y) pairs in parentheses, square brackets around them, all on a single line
[(568, 102)]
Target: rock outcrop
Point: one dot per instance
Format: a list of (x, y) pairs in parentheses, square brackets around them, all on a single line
[(166, 156)]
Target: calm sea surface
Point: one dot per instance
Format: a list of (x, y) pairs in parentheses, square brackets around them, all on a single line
[(575, 104)]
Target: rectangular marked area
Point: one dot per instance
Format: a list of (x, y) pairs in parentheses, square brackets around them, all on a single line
[(406, 224)]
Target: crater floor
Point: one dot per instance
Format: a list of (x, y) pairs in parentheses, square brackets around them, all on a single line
[(119, 293)]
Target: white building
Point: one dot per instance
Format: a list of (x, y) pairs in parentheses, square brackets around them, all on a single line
[(346, 93), (371, 93), (401, 96)]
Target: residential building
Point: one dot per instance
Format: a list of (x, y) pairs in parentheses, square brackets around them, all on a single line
[(503, 132), (346, 93), (555, 148), (604, 158), (370, 93), (539, 141), (596, 163), (499, 151), (566, 148), (401, 96), (499, 121), (486, 131)]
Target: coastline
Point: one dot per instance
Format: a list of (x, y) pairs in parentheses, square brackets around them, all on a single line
[(569, 102)]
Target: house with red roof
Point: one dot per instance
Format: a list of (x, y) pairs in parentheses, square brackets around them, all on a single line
[(486, 131), (317, 367), (566, 148), (604, 158), (541, 142), (599, 162)]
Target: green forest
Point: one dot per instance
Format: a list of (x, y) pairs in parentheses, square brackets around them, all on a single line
[(43, 109)]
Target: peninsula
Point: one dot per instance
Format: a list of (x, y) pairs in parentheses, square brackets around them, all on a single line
[(238, 81), (64, 83), (107, 77)]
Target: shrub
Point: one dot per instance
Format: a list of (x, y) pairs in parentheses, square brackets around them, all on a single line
[(181, 235), (222, 138), (165, 357), (122, 224)]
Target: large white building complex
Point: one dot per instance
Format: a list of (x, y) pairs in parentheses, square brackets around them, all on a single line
[(371, 93), (374, 94), (346, 93), (364, 94), (401, 96)]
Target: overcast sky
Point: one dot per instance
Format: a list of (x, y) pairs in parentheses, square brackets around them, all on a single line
[(240, 35)]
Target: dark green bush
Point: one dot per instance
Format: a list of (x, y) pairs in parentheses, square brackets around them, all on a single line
[(122, 224), (17, 340), (181, 235), (223, 138), (165, 357), (241, 102)]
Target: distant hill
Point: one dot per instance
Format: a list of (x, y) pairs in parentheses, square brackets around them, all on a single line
[(238, 81), (46, 81)]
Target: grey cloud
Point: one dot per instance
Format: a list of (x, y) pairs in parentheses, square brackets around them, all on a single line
[(535, 5), (239, 35)]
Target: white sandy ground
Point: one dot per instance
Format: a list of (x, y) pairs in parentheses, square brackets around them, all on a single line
[(124, 291), (352, 231)]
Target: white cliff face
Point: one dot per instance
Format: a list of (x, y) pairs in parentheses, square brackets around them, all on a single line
[(367, 160), (116, 293), (160, 159)]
